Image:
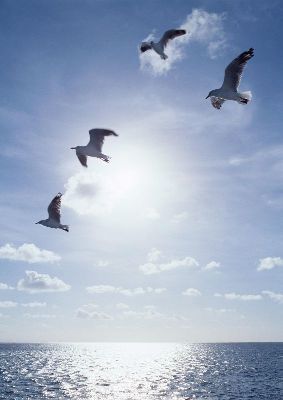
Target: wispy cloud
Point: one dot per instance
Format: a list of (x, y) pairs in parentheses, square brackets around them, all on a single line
[(101, 289), (150, 313), (103, 263), (191, 292), (28, 252), (35, 282), (180, 217), (242, 297), (212, 265), (152, 213), (153, 267), (8, 304), (34, 304), (269, 263), (4, 286), (219, 310), (154, 255), (39, 316), (278, 297), (89, 311), (122, 306), (202, 27)]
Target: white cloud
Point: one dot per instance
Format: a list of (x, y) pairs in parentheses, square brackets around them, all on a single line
[(29, 253), (39, 316), (180, 217), (152, 213), (8, 304), (89, 311), (150, 313), (243, 297), (35, 282), (191, 292), (99, 289), (202, 27), (274, 296), (154, 268), (212, 265), (4, 286), (122, 306), (154, 255), (35, 304), (219, 310), (103, 263), (88, 193), (269, 263)]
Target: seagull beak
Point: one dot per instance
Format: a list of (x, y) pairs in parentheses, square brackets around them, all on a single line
[(207, 96)]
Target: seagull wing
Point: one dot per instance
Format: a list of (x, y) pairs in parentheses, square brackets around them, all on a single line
[(145, 46), (217, 102), (54, 208), (171, 34), (97, 137), (234, 70), (82, 159)]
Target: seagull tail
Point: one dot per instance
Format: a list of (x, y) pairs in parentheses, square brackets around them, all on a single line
[(65, 228), (247, 96)]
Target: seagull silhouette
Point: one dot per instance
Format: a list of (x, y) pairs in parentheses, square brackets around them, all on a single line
[(232, 78), (54, 220), (94, 146), (160, 46)]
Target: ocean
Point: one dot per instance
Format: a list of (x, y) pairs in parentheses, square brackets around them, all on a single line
[(142, 371)]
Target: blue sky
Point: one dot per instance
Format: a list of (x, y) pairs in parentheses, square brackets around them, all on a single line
[(180, 236)]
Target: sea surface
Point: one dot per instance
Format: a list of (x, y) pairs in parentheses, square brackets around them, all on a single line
[(142, 371)]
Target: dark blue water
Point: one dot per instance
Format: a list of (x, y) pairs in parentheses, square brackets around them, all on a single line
[(142, 371)]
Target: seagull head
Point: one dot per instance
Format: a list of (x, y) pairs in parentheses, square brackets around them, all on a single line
[(41, 222), (212, 93)]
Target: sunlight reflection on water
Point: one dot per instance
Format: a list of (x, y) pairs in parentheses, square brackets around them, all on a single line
[(135, 371)]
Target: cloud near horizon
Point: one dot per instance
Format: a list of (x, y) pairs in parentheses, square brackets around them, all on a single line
[(89, 311), (101, 289), (242, 297), (202, 27)]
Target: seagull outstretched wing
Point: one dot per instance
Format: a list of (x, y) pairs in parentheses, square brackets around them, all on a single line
[(171, 34), (55, 207), (82, 159), (234, 70), (97, 137), (145, 46)]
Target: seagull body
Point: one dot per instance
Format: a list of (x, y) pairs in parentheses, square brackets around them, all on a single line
[(94, 146), (54, 220), (160, 46), (232, 78)]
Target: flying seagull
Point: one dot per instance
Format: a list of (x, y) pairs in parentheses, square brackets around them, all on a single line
[(160, 46), (94, 146), (54, 215), (232, 78)]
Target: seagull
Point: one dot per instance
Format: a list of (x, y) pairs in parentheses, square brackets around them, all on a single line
[(232, 78), (54, 215), (160, 46), (94, 146)]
